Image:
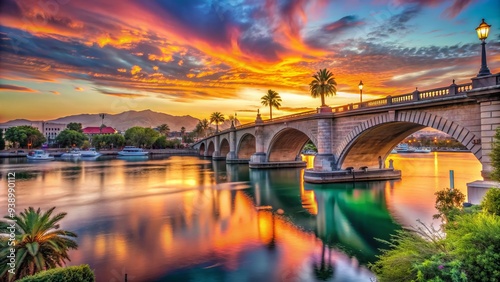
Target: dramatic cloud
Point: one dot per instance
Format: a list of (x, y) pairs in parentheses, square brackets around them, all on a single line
[(196, 51), (5, 87)]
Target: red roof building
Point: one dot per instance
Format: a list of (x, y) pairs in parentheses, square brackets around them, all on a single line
[(95, 130)]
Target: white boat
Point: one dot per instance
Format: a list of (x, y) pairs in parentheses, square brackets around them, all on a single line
[(74, 153), (90, 153), (132, 151), (404, 148), (422, 150), (39, 155)]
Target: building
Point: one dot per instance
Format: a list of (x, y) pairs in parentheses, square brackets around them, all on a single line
[(49, 129), (96, 130)]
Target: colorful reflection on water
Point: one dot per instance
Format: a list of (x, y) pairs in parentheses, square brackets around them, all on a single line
[(189, 219)]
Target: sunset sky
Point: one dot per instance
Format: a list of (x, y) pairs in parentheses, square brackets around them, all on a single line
[(194, 57)]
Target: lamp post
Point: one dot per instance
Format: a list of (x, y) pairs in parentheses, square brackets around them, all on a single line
[(360, 85), (482, 33)]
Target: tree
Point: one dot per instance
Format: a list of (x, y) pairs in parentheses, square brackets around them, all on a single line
[(75, 126), (25, 135), (2, 141), (39, 243), (448, 203), (183, 131), (204, 125), (164, 129), (140, 136), (160, 143), (271, 99), (217, 118), (70, 138), (491, 201), (323, 85), (495, 156), (108, 141)]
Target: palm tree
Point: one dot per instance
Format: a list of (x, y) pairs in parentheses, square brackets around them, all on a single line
[(323, 85), (39, 243), (164, 129), (271, 99), (102, 122), (183, 131), (204, 126), (216, 117)]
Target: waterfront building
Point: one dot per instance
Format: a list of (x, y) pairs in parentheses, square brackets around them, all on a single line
[(96, 130), (49, 129)]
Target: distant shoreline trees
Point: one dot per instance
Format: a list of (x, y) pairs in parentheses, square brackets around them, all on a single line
[(25, 136)]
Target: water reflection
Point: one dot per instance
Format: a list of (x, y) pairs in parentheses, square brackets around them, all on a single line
[(189, 219)]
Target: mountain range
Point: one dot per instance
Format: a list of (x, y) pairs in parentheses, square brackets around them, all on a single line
[(123, 121)]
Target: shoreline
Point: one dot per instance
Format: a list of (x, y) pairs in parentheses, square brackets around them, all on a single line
[(59, 152)]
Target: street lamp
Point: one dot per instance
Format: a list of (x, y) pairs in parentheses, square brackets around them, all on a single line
[(482, 33), (360, 85)]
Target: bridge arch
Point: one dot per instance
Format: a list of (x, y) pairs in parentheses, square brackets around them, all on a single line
[(246, 146), (210, 148), (202, 149), (378, 135), (286, 145), (224, 147)]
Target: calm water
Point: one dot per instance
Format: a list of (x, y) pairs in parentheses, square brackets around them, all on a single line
[(189, 219)]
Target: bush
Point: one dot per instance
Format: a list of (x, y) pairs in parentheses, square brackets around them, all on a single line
[(495, 156), (439, 268), (81, 273), (491, 201), (408, 248), (475, 241), (448, 203)]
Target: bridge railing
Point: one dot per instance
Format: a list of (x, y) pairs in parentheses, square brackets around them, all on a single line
[(407, 98)]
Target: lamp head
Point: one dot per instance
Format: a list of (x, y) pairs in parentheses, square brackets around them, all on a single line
[(360, 85), (483, 30)]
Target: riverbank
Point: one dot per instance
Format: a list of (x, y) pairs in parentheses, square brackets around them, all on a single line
[(59, 152)]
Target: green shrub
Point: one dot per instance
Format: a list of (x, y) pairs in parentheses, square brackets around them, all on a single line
[(81, 273), (495, 156), (474, 240), (448, 203), (440, 268), (407, 249), (491, 201)]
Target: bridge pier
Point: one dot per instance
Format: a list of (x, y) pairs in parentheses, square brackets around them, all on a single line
[(486, 90), (324, 160), (216, 155), (231, 157)]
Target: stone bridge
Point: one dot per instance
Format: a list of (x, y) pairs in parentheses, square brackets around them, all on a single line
[(356, 134)]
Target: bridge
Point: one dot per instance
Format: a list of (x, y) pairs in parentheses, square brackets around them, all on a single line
[(356, 134)]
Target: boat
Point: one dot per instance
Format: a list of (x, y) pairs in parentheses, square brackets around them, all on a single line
[(404, 148), (90, 153), (422, 150), (309, 152), (74, 153), (39, 155), (132, 151)]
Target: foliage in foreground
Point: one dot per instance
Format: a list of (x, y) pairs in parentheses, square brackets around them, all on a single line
[(39, 243), (470, 251), (448, 204), (81, 273), (491, 202), (495, 156)]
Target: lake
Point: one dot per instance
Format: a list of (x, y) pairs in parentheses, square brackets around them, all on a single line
[(184, 218)]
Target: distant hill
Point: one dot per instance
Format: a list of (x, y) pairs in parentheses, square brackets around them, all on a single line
[(125, 120)]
